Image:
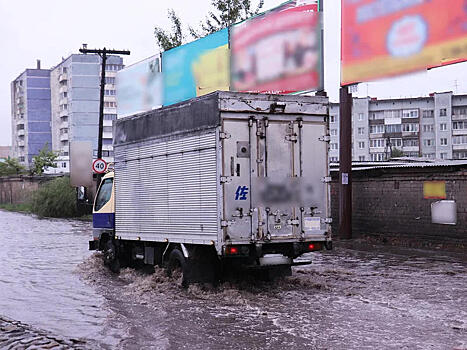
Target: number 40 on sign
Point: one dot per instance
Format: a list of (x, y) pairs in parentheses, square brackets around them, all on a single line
[(99, 166)]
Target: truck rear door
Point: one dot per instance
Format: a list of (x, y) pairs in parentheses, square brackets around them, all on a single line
[(274, 178)]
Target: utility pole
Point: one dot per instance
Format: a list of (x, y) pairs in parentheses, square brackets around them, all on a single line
[(345, 163), (103, 54)]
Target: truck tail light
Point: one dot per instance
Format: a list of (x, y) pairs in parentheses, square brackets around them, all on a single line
[(313, 246), (231, 250)]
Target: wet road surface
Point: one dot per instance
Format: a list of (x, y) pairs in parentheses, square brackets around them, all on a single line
[(376, 298)]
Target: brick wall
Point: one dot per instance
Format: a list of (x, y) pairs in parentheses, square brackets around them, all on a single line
[(389, 202)]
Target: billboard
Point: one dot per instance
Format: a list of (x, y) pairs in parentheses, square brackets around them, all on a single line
[(196, 68), (139, 87), (278, 51), (382, 38)]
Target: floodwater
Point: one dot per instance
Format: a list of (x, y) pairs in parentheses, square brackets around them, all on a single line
[(347, 299)]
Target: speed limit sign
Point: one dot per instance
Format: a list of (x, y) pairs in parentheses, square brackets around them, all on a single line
[(99, 166)]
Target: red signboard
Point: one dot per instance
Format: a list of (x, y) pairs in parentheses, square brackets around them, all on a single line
[(383, 38), (279, 51)]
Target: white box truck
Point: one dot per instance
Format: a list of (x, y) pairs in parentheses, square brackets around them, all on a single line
[(225, 180)]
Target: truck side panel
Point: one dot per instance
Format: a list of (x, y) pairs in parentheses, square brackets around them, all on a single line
[(167, 190)]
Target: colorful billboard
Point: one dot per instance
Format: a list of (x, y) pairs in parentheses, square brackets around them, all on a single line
[(139, 87), (382, 38), (278, 51), (197, 68)]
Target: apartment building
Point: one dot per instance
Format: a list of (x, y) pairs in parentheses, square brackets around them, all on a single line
[(75, 95), (432, 127), (30, 114)]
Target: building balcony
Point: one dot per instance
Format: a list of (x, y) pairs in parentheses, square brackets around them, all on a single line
[(63, 89), (459, 147), (63, 101), (110, 98), (411, 148), (107, 122), (108, 110), (456, 132), (459, 117), (107, 135), (62, 77), (20, 132), (107, 148), (64, 137), (63, 113), (64, 125), (20, 143), (409, 133), (20, 121)]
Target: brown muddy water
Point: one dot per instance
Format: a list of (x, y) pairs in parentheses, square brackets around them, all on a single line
[(347, 299)]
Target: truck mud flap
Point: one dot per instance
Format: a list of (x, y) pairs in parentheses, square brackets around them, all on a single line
[(93, 245)]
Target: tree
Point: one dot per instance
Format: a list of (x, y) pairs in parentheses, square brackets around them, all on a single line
[(396, 153), (226, 13), (11, 166), (168, 40), (45, 158)]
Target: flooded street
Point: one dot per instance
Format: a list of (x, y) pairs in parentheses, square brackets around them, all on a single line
[(347, 299)]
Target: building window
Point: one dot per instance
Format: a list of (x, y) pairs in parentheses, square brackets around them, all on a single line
[(63, 165), (107, 129), (333, 159), (411, 127), (361, 131), (396, 142), (333, 132), (429, 155), (429, 142), (377, 157), (109, 92), (21, 158), (443, 127), (443, 141), (361, 144), (429, 113), (332, 118), (360, 117), (442, 112), (459, 155), (361, 158), (410, 142), (428, 128), (333, 146), (377, 115), (110, 117), (377, 143), (110, 104), (443, 155), (459, 140), (110, 80), (459, 111), (376, 129), (393, 128), (410, 113), (459, 125)]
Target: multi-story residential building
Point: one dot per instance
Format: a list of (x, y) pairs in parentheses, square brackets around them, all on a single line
[(30, 118), (430, 127), (75, 94)]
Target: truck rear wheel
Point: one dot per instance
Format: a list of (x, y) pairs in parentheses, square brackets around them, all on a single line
[(177, 264), (111, 256)]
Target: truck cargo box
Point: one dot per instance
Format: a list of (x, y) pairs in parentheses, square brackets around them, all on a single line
[(224, 168)]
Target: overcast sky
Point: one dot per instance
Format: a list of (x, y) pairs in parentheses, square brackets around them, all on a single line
[(51, 29)]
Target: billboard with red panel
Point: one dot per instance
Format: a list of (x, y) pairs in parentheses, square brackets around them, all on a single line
[(382, 38), (278, 51)]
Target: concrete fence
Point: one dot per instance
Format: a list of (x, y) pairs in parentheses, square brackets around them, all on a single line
[(391, 203), (18, 189)]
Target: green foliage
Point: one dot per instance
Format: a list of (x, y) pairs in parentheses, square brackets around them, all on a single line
[(55, 199), (11, 166), (225, 13), (22, 207), (45, 158), (168, 40), (396, 152)]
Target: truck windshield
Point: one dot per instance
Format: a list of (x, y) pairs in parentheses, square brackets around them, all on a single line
[(105, 192)]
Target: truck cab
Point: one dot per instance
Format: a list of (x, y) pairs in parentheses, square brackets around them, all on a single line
[(103, 213)]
